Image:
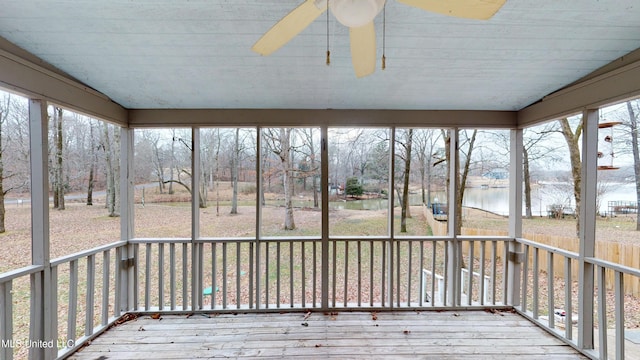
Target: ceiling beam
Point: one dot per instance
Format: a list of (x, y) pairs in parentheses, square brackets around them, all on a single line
[(615, 82), (25, 74), (314, 117)]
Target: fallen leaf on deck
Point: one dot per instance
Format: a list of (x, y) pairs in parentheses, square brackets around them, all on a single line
[(156, 316)]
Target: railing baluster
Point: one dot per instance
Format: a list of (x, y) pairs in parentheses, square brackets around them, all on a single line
[(434, 246), (483, 289), (291, 274), (251, 267), (160, 276), (214, 274), (267, 279), (409, 272), (550, 286), (568, 306), (602, 313), (359, 248), (172, 275), (238, 274), (619, 310), (383, 293), (494, 267), (505, 267), (224, 275), (54, 302), (333, 285), (136, 277), (346, 272), (185, 276), (470, 274), (6, 319), (200, 287), (303, 271), (525, 279), (397, 277), (73, 301), (91, 278), (315, 271), (422, 284), (147, 278), (278, 274), (446, 274), (106, 263), (371, 277), (535, 289)]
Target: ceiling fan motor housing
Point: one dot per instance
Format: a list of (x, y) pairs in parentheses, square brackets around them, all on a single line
[(355, 13)]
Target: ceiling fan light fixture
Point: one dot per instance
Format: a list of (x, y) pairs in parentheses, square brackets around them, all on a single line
[(355, 13)]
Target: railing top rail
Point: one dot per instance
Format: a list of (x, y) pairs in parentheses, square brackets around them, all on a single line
[(485, 238), (613, 266), (85, 253), (555, 250), (13, 274), (160, 241)]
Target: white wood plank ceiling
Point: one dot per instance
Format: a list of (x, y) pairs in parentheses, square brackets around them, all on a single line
[(197, 53)]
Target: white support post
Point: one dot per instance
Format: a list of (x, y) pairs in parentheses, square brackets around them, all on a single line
[(324, 185), (391, 203), (196, 249), (126, 276), (588, 190), (41, 328), (453, 261), (258, 250), (515, 216)]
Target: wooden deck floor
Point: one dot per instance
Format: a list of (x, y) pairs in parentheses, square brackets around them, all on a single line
[(344, 335)]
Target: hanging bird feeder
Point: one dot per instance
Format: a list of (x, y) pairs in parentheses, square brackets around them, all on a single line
[(605, 145)]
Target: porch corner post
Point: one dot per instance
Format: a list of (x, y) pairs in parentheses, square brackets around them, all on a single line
[(324, 183), (588, 191), (515, 216), (126, 262), (196, 248), (452, 261), (43, 317)]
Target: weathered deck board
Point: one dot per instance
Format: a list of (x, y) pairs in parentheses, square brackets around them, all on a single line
[(441, 335)]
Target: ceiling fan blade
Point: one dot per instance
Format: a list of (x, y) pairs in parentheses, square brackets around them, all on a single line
[(290, 26), (363, 49), (470, 9)]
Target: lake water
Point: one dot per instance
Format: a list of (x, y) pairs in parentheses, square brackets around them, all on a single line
[(496, 200)]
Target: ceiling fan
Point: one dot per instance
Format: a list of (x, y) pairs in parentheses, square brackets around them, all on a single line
[(358, 16)]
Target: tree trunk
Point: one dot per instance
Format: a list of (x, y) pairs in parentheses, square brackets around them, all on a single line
[(463, 182), (92, 166), (633, 122), (2, 194), (234, 172), (576, 164), (285, 157), (172, 163), (527, 183), (59, 168), (405, 213)]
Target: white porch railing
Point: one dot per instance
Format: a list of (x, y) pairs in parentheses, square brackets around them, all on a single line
[(559, 313), (91, 290)]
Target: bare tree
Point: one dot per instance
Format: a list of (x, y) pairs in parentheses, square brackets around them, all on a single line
[(572, 138), (93, 163), (278, 141), (461, 178), (110, 144), (633, 110), (404, 199), (58, 185)]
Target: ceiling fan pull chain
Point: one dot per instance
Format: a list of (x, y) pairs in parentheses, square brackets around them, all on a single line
[(328, 52), (384, 35)]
